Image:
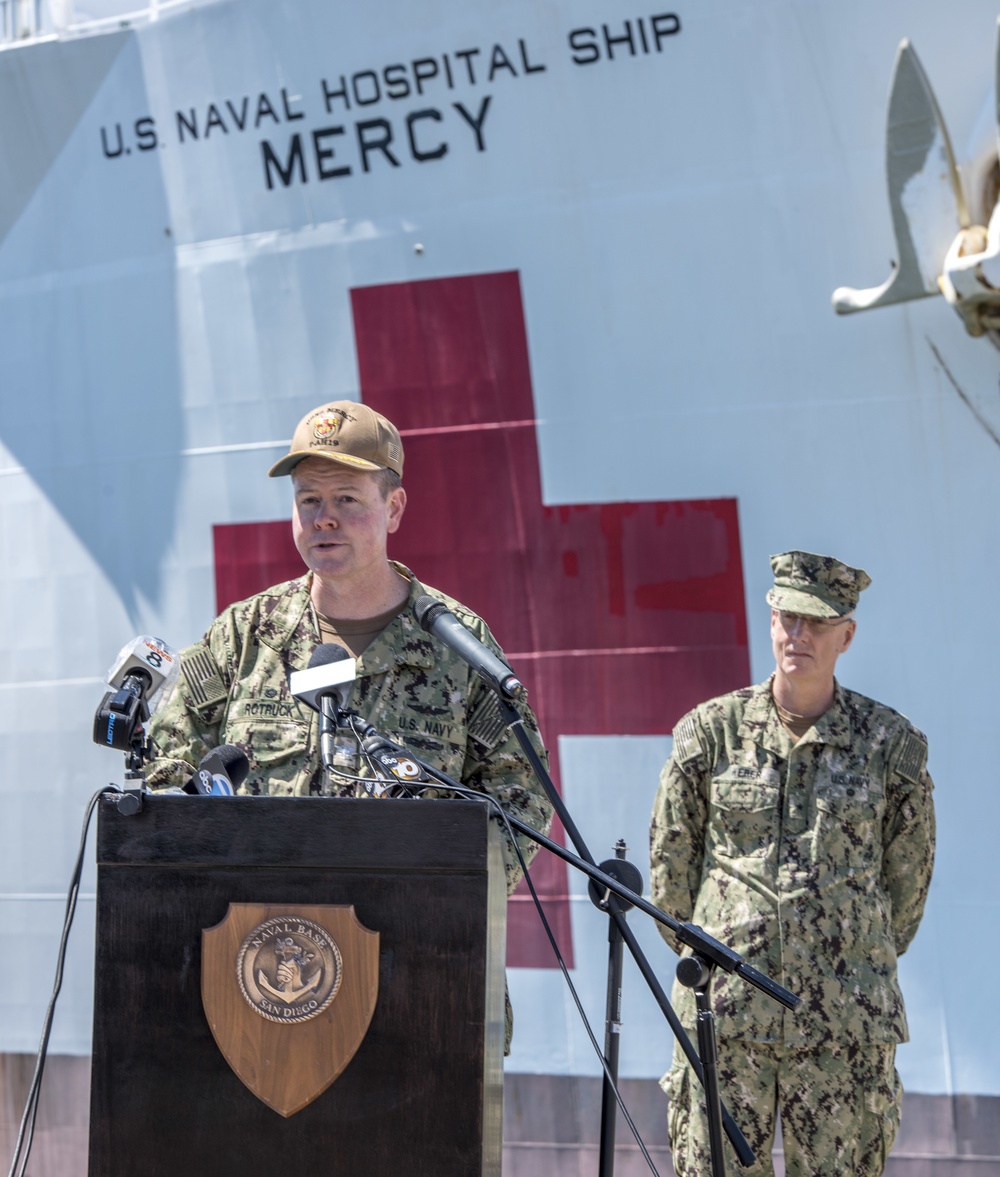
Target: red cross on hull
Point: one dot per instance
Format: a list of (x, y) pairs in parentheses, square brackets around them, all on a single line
[(618, 617)]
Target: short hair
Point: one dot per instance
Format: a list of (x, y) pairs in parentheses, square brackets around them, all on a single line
[(385, 479), (388, 481)]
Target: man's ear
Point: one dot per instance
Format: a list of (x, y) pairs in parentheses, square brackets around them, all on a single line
[(397, 505)]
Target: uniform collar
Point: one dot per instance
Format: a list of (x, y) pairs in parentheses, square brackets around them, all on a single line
[(834, 725), (402, 642), (291, 615), (761, 724), (285, 613)]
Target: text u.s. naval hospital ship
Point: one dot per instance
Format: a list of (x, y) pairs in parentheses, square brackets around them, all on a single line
[(587, 255)]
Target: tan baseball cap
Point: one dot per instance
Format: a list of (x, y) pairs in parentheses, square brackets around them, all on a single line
[(345, 432), (816, 586)]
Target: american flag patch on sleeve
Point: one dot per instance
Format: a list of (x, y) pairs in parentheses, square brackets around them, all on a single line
[(912, 757), (486, 723), (687, 742), (203, 679)]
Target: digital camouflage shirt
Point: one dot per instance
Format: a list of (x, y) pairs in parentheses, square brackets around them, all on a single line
[(811, 860), (233, 689)]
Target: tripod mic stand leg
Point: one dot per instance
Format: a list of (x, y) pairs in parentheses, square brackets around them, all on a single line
[(612, 1040), (620, 869), (697, 975)]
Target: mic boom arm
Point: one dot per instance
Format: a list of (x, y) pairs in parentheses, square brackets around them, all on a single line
[(712, 951), (689, 934), (438, 620)]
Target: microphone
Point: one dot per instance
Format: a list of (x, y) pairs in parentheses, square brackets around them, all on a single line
[(330, 674), (142, 672), (394, 760), (220, 773), (325, 686), (435, 617), (148, 659)]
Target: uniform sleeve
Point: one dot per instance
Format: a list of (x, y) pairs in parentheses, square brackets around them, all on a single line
[(495, 764), (185, 726), (908, 836), (677, 830)]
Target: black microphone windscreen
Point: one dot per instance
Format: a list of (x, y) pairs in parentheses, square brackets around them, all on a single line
[(426, 608), (141, 675), (234, 761), (327, 653)]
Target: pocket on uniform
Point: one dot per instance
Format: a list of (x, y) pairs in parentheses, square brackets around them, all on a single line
[(854, 809), (745, 817), (883, 1103), (675, 1084), (276, 751)]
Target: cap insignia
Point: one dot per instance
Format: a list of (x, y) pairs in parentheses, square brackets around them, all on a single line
[(326, 424)]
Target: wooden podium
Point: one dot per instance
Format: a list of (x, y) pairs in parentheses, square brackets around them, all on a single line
[(423, 1091)]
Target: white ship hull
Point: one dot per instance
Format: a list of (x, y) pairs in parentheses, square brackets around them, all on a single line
[(213, 220)]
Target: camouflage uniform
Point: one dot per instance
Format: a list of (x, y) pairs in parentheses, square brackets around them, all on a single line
[(233, 689), (812, 860)]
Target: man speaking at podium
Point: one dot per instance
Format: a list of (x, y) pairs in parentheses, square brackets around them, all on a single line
[(346, 466)]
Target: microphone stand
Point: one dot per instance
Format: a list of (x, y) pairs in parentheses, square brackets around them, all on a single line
[(628, 874), (128, 802), (695, 971), (328, 713), (709, 952)]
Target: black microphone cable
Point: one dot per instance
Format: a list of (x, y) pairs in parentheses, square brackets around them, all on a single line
[(366, 782), (475, 795), (26, 1132), (359, 727), (453, 789)]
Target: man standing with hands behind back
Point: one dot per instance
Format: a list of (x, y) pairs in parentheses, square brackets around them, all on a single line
[(795, 823)]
